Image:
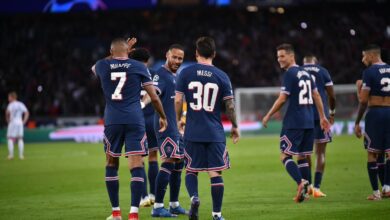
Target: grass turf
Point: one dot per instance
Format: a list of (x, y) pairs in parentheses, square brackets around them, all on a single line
[(66, 181)]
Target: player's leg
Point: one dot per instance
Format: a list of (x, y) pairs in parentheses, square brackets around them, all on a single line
[(135, 148), (196, 161), (112, 185), (145, 202), (152, 174), (10, 148), (20, 141), (167, 149), (320, 149), (136, 185), (113, 141), (386, 136), (175, 182), (305, 148), (373, 141), (11, 134), (217, 161), (381, 162), (372, 169), (153, 159)]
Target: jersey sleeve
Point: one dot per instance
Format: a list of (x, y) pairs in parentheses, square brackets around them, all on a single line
[(180, 87), (367, 82), (159, 84), (227, 90), (143, 72), (327, 80), (287, 84), (100, 67), (23, 107), (313, 84)]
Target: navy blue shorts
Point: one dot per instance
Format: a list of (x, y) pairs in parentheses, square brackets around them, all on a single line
[(206, 156), (171, 147), (132, 136), (320, 136), (377, 130), (150, 134), (297, 141)]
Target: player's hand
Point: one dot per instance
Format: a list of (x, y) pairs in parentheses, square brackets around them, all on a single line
[(265, 121), (181, 125), (235, 135), (163, 125), (325, 125), (358, 131), (131, 42), (331, 119)]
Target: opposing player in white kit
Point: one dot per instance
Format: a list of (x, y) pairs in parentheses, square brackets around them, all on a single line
[(16, 116)]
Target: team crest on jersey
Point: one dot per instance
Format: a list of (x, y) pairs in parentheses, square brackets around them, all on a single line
[(156, 78)]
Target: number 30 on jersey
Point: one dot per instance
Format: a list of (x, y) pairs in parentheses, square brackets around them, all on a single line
[(204, 96)]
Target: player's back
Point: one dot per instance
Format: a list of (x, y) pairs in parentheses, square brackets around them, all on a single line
[(376, 78), (298, 85), (16, 110), (321, 78), (205, 87), (122, 80)]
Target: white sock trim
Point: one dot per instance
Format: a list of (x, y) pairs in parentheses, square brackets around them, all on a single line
[(174, 204), (116, 208), (158, 205), (219, 214), (134, 209)]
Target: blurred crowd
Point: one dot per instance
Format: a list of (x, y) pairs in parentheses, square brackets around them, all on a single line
[(47, 58)]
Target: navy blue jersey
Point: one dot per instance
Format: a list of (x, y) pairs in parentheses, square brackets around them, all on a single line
[(165, 81), (149, 110), (376, 78), (298, 85), (204, 87), (121, 80), (321, 77)]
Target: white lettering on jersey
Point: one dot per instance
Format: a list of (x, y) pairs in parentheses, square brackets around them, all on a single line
[(119, 65), (384, 70), (204, 73)]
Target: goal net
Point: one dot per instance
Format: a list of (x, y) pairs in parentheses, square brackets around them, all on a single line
[(253, 103)]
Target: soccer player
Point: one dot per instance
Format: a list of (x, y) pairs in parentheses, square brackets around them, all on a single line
[(171, 148), (297, 135), (324, 84), (381, 158), (143, 55), (16, 116), (205, 88), (121, 79), (375, 93)]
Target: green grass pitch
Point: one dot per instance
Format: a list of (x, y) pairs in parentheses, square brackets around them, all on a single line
[(66, 181)]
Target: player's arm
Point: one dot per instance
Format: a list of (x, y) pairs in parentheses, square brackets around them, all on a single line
[(26, 115), (332, 102), (320, 108), (278, 104), (145, 100), (364, 94), (359, 84), (231, 113), (156, 102), (179, 109), (7, 116)]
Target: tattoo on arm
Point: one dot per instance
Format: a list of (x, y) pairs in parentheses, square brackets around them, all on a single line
[(231, 112)]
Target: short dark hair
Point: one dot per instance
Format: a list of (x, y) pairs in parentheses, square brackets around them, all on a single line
[(118, 40), (287, 47), (372, 48), (310, 58), (13, 94), (140, 54), (176, 46), (205, 47)]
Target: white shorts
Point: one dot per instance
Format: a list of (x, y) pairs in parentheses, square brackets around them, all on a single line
[(15, 130)]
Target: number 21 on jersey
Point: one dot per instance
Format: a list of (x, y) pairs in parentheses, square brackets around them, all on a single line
[(305, 96), (204, 96)]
